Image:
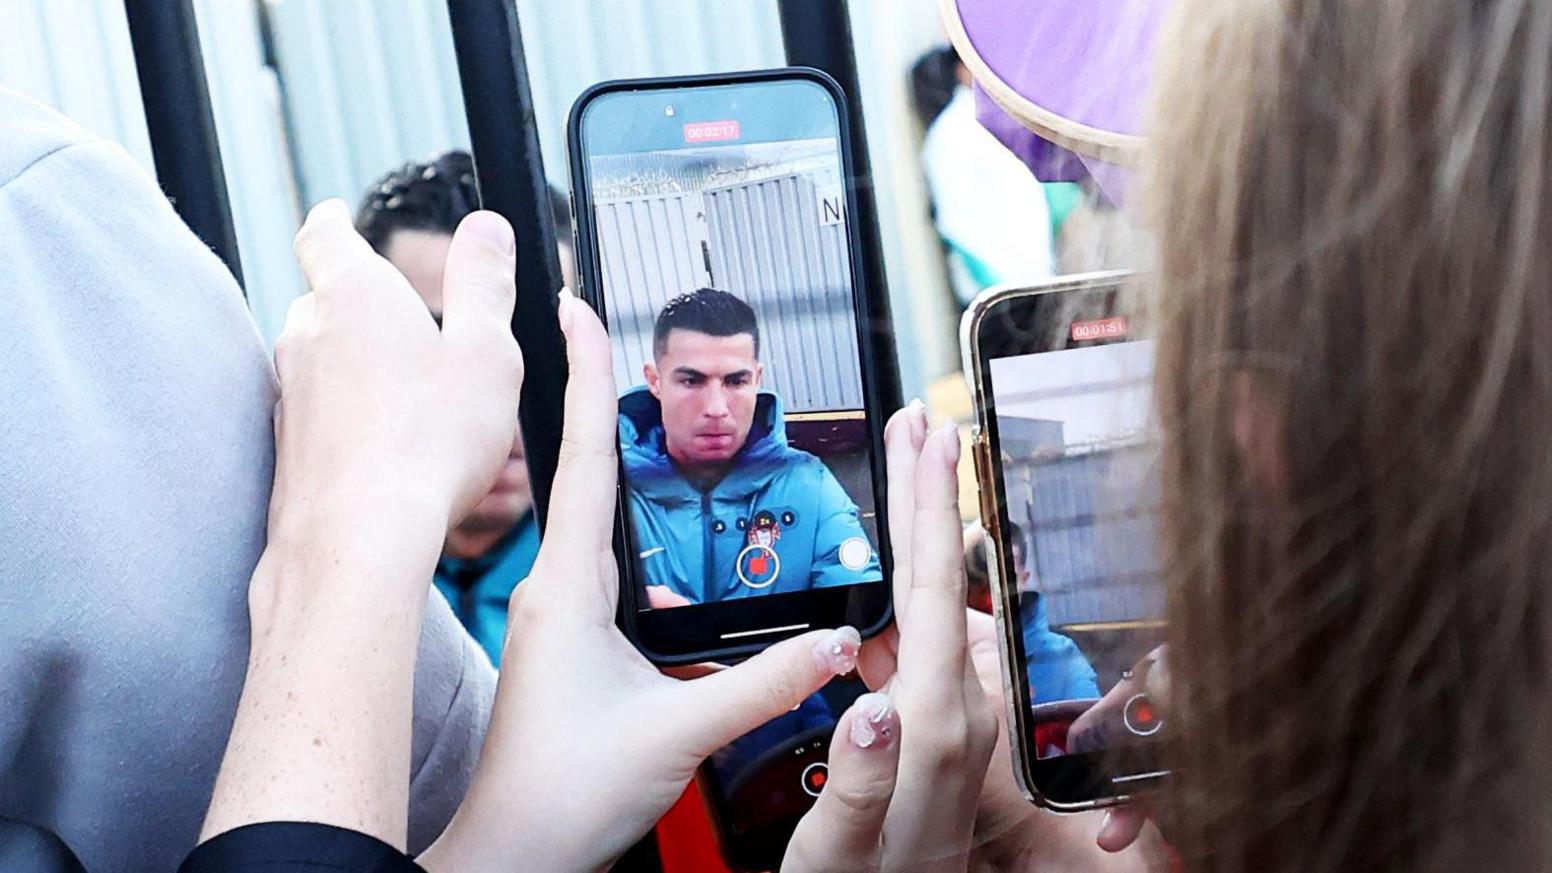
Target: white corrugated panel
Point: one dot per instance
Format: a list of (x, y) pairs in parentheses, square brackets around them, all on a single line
[(245, 100), (768, 246), (75, 56), (369, 85), (572, 45)]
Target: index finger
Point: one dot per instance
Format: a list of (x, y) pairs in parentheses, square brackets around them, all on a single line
[(932, 633), (330, 251)]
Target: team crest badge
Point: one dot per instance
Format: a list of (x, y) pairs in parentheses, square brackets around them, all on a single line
[(758, 564)]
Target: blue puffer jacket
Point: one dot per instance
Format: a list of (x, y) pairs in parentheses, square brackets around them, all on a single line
[(778, 522)]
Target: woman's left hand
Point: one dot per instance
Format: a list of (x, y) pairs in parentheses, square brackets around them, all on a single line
[(590, 743)]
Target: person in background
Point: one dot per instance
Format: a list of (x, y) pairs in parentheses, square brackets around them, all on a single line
[(409, 217), (1057, 668), (990, 211)]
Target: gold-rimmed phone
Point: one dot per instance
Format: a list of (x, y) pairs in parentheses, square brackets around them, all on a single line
[(1065, 452)]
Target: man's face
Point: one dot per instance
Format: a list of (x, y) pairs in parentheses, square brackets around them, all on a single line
[(707, 386), (421, 255)]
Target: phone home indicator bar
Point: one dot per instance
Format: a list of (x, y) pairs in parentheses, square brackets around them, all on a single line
[(1138, 777), (763, 631)]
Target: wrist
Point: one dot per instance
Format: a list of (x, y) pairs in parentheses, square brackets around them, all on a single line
[(370, 561)]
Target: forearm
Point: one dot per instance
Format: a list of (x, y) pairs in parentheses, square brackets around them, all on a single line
[(322, 731)]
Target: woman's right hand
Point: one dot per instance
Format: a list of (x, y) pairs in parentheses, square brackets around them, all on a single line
[(589, 743), (922, 816)]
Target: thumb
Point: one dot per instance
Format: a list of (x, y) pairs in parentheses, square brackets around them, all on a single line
[(844, 829), (1121, 827), (479, 287), (715, 710)]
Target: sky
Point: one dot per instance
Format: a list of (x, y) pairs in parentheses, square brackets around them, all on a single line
[(1098, 393)]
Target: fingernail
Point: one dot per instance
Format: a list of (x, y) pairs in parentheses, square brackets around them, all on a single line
[(918, 422), (494, 230), (875, 722), (837, 651), (1104, 824), (950, 441), (563, 303)]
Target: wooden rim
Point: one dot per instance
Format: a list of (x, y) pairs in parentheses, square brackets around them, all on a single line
[(1087, 140)]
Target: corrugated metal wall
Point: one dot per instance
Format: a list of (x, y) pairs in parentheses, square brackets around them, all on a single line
[(769, 248), (1093, 551), (651, 254), (764, 242)]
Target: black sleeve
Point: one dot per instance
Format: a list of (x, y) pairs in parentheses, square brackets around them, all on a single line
[(297, 847)]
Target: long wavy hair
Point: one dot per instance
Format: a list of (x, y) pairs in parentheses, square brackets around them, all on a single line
[(1352, 201)]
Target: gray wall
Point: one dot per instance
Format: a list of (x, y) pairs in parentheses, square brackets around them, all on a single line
[(1089, 532)]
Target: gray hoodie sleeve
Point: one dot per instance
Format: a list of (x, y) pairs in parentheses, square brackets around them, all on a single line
[(136, 455)]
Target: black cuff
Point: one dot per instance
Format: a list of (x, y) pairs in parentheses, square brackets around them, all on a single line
[(297, 847)]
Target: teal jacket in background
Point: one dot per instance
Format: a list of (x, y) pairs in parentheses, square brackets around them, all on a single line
[(779, 519), (478, 588), (1056, 666)]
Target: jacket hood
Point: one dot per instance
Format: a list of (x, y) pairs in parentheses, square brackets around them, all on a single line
[(644, 450)]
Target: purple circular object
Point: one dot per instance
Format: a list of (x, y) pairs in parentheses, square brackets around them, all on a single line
[(1075, 72)]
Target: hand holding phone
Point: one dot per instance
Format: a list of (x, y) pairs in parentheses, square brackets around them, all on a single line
[(1066, 462), (589, 744)]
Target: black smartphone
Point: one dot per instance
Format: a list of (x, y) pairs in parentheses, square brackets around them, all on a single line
[(714, 237), (759, 786), (1066, 458)]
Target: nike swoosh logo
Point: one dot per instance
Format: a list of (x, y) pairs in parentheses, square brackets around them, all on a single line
[(650, 552)]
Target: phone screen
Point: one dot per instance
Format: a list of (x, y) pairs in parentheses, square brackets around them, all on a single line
[(1075, 454), (761, 784), (725, 267)]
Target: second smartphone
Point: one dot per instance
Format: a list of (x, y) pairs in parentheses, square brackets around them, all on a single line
[(715, 238), (1066, 456)]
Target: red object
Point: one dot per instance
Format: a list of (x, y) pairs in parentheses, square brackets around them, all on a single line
[(1104, 328), (757, 566), (1143, 714), (685, 840), (1051, 734), (711, 131)]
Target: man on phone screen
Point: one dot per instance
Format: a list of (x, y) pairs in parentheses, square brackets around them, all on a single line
[(721, 505)]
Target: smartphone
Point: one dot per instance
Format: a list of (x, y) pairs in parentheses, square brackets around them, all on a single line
[(759, 786), (714, 237), (1065, 450)]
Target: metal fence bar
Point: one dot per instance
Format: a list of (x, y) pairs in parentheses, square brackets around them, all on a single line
[(510, 170), (182, 129), (817, 33)]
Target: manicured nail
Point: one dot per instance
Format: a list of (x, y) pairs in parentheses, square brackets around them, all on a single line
[(563, 303), (494, 230), (918, 422), (837, 651), (950, 441), (875, 723)]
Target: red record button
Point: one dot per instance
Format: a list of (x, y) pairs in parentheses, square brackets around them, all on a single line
[(1141, 716), (815, 776)]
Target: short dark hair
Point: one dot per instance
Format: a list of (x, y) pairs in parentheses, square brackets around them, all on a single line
[(434, 196), (708, 311), (934, 78)]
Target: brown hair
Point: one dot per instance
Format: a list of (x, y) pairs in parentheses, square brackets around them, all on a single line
[(1354, 383)]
